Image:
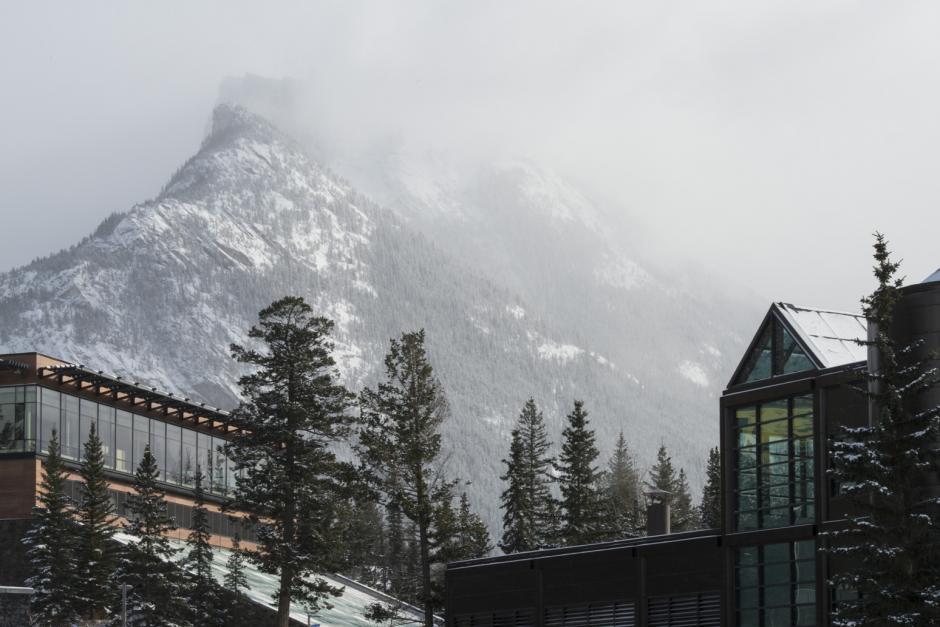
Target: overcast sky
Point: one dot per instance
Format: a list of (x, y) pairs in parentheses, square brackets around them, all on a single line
[(765, 139)]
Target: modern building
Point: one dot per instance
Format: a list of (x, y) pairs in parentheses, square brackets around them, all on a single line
[(39, 394), (796, 386)]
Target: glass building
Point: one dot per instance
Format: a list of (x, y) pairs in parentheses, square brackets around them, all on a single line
[(40, 395), (793, 390)]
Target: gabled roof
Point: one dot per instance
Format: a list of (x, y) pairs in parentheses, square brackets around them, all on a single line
[(933, 277), (832, 336), (794, 339)]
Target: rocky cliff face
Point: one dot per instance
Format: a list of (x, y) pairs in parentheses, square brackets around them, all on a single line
[(159, 292)]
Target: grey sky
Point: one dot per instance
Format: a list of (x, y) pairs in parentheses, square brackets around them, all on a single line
[(766, 139)]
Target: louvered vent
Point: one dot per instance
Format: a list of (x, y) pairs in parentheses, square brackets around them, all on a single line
[(505, 618), (700, 610), (617, 614)]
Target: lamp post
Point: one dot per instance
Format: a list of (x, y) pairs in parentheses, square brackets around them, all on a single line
[(124, 589)]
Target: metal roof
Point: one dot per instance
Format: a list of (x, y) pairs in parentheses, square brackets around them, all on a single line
[(933, 277), (832, 336)]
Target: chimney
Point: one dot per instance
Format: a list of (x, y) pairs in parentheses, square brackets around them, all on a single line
[(657, 512)]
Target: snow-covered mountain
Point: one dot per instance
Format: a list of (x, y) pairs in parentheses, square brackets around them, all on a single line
[(521, 290)]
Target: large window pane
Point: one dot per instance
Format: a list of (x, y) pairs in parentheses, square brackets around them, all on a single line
[(174, 451), (141, 439), (760, 364), (124, 442), (219, 466), (786, 594), (88, 413), (106, 433), (71, 437), (50, 418), (190, 457), (158, 445)]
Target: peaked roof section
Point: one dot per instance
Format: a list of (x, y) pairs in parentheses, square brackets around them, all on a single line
[(832, 336), (933, 277), (799, 339)]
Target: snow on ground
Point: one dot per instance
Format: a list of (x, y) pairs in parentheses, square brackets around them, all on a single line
[(559, 352)]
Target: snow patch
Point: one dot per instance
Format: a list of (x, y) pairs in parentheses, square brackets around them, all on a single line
[(515, 311), (694, 373), (559, 352)]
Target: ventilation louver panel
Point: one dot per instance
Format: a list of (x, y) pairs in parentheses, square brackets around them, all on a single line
[(700, 610), (505, 618), (617, 614)]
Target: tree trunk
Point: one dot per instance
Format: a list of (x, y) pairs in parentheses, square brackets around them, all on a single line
[(426, 574), (283, 598)]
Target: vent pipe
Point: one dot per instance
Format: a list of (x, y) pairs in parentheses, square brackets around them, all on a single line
[(657, 512)]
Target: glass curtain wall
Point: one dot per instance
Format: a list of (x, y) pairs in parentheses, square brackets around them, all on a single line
[(775, 585), (774, 463), (17, 419), (124, 436)]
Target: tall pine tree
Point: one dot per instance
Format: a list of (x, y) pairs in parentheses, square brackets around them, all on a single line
[(294, 410), (710, 509), (155, 598), (623, 496), (95, 546), (401, 445), (527, 502), (50, 542), (888, 549), (582, 508), (202, 597), (663, 476), (235, 581)]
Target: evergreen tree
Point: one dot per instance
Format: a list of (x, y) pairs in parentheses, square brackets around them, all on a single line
[(684, 515), (887, 471), (624, 500), (202, 600), (361, 542), (663, 476), (154, 599), (527, 501), (710, 509), (473, 539), (295, 409), (395, 574), (578, 479), (50, 543), (401, 444), (95, 548), (235, 582)]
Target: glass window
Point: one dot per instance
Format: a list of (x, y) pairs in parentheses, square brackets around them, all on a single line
[(190, 457), (760, 364), (792, 357), (88, 415), (775, 463), (174, 451), (106, 433), (231, 476), (775, 584), (219, 466), (17, 419), (70, 436), (158, 445), (141, 439), (50, 417), (124, 442), (776, 353)]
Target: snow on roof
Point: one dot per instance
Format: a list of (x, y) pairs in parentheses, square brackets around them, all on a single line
[(933, 277), (832, 336)]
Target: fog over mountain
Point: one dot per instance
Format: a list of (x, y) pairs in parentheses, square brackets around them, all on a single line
[(525, 284)]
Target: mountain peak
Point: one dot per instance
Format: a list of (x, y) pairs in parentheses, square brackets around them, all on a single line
[(230, 121)]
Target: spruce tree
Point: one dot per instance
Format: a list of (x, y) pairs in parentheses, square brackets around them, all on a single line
[(622, 493), (401, 444), (473, 539), (578, 480), (684, 515), (710, 509), (527, 501), (395, 574), (888, 549), (235, 581), (202, 599), (663, 476), (50, 547), (295, 410), (154, 599), (95, 548)]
